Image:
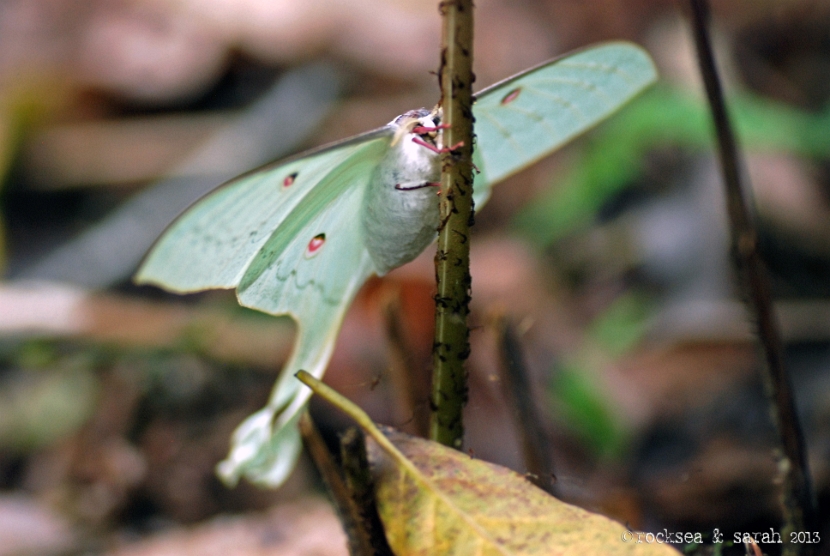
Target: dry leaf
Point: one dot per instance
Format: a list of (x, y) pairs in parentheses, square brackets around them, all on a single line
[(435, 500)]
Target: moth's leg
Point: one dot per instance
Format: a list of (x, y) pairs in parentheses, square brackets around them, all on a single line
[(413, 185), (422, 129), (433, 148)]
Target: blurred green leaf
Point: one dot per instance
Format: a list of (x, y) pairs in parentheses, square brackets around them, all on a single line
[(663, 116), (622, 325), (38, 408), (36, 353), (584, 408)]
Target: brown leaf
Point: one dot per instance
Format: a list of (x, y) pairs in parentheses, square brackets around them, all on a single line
[(435, 500)]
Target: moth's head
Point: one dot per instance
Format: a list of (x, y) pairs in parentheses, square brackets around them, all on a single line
[(411, 119)]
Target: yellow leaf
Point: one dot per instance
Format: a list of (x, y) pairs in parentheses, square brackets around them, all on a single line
[(436, 500)]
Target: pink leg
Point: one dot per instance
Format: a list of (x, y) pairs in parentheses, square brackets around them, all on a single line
[(433, 148)]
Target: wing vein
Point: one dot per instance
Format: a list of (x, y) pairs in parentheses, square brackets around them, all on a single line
[(504, 132)]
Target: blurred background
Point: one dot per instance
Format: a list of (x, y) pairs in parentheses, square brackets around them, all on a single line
[(609, 260)]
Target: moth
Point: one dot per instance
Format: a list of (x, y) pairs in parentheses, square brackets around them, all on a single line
[(300, 236)]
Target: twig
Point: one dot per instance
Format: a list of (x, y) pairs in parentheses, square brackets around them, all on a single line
[(798, 501), (360, 538), (520, 398), (361, 489), (452, 259), (410, 391)]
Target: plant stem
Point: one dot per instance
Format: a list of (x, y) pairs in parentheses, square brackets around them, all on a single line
[(798, 501), (452, 259), (409, 384), (361, 488), (518, 393), (360, 539)]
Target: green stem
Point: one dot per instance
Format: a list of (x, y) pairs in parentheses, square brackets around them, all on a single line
[(452, 259), (352, 410)]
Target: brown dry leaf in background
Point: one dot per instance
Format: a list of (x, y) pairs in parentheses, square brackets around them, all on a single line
[(293, 529), (52, 310), (436, 500)]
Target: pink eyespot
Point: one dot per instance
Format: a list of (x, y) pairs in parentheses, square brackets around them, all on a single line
[(315, 245), (289, 179), (511, 96)]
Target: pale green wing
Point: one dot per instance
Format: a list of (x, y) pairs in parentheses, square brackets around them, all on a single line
[(316, 286), (289, 238), (526, 117), (212, 244)]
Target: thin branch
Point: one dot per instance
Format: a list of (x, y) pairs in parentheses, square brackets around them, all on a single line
[(519, 394), (409, 387), (452, 259), (798, 500), (361, 488), (361, 540)]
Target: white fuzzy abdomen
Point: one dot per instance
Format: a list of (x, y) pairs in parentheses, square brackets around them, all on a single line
[(399, 224)]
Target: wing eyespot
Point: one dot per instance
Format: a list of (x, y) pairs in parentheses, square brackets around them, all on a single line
[(315, 245), (290, 179), (511, 96)]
